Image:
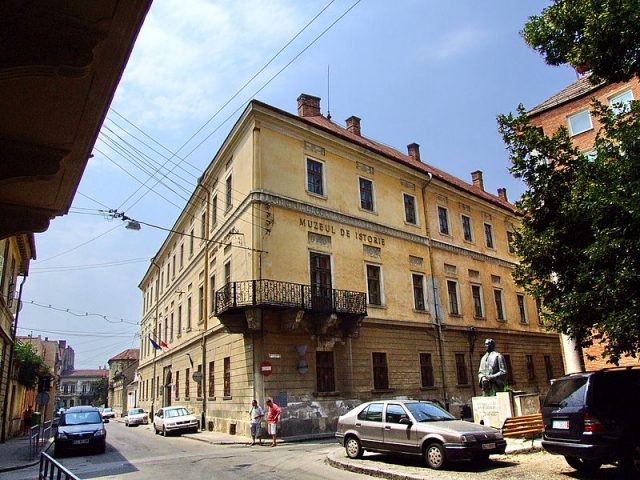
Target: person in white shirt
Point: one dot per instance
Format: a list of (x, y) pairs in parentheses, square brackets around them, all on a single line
[(255, 414)]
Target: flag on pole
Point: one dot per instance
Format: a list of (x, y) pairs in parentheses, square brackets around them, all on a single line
[(155, 345)]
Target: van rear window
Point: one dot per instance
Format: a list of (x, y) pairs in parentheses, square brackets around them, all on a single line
[(568, 392)]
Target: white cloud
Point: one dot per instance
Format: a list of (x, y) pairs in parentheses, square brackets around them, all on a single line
[(455, 43)]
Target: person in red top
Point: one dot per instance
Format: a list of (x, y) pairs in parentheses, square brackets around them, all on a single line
[(273, 417)]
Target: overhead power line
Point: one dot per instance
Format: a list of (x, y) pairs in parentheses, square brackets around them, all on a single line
[(77, 313), (80, 245)]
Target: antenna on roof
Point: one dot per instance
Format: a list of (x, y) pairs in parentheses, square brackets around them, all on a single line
[(328, 95)]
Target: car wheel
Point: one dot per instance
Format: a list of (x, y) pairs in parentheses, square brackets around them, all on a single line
[(583, 465), (631, 463), (434, 456), (164, 431), (353, 448), (102, 448)]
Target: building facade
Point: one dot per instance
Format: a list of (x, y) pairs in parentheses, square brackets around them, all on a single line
[(122, 372), (76, 386), (571, 108), (323, 269)]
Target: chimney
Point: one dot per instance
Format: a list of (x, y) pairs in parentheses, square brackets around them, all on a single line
[(353, 125), (308, 105), (476, 177), (414, 151), (502, 194)]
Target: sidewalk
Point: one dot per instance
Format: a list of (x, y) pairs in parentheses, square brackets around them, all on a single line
[(338, 459), (15, 454)]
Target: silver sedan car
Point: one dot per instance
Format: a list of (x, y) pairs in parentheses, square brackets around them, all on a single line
[(416, 428)]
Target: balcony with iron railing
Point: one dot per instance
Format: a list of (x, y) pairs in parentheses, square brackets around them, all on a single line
[(235, 298)]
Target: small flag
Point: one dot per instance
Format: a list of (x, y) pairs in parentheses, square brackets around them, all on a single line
[(163, 344), (155, 345)]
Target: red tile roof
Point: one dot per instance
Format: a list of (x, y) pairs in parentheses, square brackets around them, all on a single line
[(129, 354), (577, 89), (102, 372), (327, 125)]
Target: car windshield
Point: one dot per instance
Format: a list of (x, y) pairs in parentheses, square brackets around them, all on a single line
[(135, 411), (428, 412), (81, 418), (176, 412), (568, 392)]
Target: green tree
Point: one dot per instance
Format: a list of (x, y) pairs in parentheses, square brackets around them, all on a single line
[(598, 35), (580, 236), (99, 392), (30, 365)]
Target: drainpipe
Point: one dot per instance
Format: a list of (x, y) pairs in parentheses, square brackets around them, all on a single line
[(154, 386), (205, 307), (438, 320), (3, 434)]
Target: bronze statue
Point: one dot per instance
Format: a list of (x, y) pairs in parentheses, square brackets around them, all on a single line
[(493, 370)]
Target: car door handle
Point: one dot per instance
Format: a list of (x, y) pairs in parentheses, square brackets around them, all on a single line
[(358, 424), (387, 428)]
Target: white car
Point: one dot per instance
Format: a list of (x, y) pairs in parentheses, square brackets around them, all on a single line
[(174, 419), (108, 413), (136, 416)]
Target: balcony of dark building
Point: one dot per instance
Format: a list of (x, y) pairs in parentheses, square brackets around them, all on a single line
[(318, 309)]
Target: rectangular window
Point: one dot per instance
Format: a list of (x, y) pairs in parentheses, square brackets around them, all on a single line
[(227, 273), (325, 372), (203, 227), (461, 369), (173, 268), (212, 379), (166, 330), (452, 290), (426, 370), (476, 294), (522, 309), (488, 235), (201, 304), (171, 330), (366, 194), (161, 281), (179, 320), (227, 376), (212, 290), (374, 285), (188, 313), (443, 220), (191, 235), (539, 311), (466, 228), (621, 102), (199, 384), (84, 388), (177, 385), (181, 256), (158, 386), (228, 193), (507, 362), (315, 180), (380, 371), (548, 367), (497, 296), (187, 392), (531, 372), (510, 245), (579, 122), (418, 292), (214, 211), (159, 331), (410, 209)]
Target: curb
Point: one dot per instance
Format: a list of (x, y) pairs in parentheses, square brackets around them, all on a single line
[(27, 465), (371, 471), (246, 440)]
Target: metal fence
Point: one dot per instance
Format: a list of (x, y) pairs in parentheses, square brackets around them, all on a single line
[(50, 470), (38, 436)]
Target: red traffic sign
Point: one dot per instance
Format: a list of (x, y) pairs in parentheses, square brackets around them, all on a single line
[(266, 368)]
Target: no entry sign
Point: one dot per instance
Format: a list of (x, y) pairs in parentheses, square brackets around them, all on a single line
[(266, 368)]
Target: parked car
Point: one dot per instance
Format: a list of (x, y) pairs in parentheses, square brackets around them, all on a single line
[(592, 418), (108, 413), (80, 428), (416, 428), (136, 416), (174, 419)]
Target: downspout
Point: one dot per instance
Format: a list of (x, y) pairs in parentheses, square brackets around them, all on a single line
[(204, 309), (438, 320), (3, 435), (257, 262), (154, 381)]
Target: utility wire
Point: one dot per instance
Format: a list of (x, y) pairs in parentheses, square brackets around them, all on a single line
[(80, 314), (71, 268), (76, 333), (80, 245)]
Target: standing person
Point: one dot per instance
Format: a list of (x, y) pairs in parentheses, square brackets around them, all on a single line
[(27, 420), (273, 417), (255, 414)]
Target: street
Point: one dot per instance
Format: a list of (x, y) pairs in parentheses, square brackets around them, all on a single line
[(137, 453)]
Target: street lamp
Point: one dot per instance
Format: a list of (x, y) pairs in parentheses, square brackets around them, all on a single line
[(472, 337)]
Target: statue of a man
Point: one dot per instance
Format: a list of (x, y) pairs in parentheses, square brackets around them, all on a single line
[(493, 370)]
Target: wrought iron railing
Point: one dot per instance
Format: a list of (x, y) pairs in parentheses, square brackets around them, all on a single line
[(50, 470), (315, 298)]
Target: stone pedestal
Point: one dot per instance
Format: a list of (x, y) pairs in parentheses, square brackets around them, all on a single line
[(492, 411), (527, 404)]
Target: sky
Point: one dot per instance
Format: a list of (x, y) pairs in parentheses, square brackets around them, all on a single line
[(435, 73)]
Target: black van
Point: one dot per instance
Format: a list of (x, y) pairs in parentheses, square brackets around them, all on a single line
[(593, 418)]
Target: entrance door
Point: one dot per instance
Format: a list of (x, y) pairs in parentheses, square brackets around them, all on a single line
[(320, 272), (166, 399)]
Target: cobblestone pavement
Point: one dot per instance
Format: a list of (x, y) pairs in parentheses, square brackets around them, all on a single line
[(535, 466)]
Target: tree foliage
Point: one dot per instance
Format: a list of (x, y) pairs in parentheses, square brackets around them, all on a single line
[(99, 392), (30, 365), (598, 35), (580, 235)]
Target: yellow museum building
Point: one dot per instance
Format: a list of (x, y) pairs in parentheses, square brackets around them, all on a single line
[(321, 268)]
